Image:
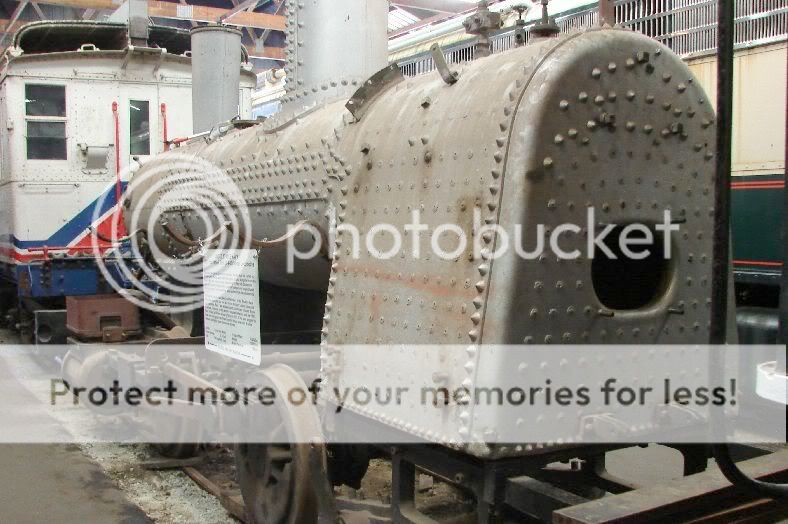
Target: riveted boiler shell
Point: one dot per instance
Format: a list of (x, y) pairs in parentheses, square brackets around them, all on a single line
[(520, 140), (281, 174), (607, 119), (517, 140)]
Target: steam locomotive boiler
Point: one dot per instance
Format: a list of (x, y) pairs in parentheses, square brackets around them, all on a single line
[(603, 120)]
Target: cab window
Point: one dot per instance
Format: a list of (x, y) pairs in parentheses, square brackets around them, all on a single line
[(139, 127), (45, 111)]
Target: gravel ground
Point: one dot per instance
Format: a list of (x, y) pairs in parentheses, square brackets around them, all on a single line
[(165, 496)]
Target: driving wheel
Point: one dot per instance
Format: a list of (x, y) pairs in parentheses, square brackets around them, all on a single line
[(275, 476)]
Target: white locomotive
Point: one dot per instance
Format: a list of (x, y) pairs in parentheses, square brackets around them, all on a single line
[(81, 105)]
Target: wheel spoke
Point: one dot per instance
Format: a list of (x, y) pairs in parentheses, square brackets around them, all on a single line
[(277, 475), (274, 474), (280, 455), (276, 431)]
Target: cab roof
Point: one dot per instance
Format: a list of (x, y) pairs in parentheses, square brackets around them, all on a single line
[(52, 36)]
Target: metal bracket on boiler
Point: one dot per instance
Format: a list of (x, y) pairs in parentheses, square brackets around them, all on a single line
[(449, 76), (372, 89)]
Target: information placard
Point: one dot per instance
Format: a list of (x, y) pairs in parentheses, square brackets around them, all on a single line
[(232, 303)]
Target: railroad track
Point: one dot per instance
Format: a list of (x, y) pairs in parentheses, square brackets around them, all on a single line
[(701, 498)]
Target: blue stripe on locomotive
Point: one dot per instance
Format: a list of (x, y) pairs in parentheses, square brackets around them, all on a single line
[(68, 275)]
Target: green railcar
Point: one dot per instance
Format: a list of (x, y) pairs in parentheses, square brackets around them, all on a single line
[(757, 218)]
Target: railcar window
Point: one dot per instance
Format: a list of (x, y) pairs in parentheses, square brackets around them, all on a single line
[(43, 100), (45, 110), (139, 127), (46, 140)]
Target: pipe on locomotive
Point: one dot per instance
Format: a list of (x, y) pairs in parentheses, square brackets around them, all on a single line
[(332, 48), (721, 254)]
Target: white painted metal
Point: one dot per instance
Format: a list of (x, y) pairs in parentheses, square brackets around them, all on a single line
[(39, 198), (216, 53), (332, 47), (770, 384), (758, 109)]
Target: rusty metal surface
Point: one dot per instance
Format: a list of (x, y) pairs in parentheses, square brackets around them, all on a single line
[(374, 87), (100, 315), (705, 492), (604, 118), (518, 146)]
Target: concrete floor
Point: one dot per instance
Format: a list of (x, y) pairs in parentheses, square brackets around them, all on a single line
[(53, 482), (57, 483)]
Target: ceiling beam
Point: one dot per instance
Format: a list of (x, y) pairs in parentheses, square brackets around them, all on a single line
[(107, 5), (246, 5), (417, 25), (280, 4), (170, 10), (14, 18), (436, 6), (269, 53), (8, 29), (211, 14), (38, 10)]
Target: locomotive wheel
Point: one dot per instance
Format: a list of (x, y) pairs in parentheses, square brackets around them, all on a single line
[(181, 432), (181, 450), (190, 321), (275, 477)]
